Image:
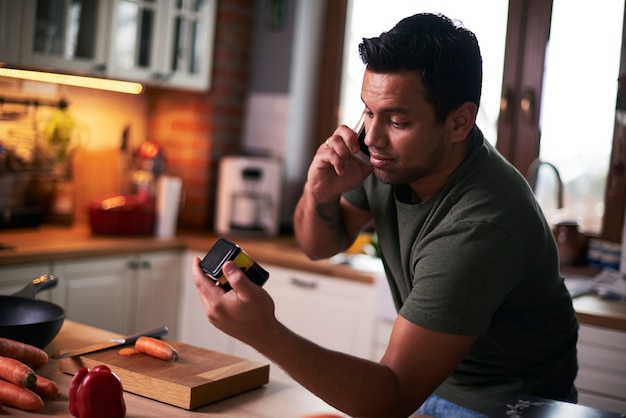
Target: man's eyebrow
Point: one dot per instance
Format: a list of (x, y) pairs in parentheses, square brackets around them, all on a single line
[(396, 109)]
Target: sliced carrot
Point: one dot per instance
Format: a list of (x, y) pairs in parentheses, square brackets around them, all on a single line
[(46, 388), (25, 353), (19, 397), (127, 351), (156, 348), (17, 372)]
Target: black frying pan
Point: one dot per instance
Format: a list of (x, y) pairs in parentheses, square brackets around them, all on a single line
[(26, 319)]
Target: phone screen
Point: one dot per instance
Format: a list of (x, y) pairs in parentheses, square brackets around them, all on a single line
[(222, 251)]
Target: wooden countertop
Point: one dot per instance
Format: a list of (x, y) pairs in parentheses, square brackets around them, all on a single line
[(279, 398), (57, 243), (592, 310), (46, 244)]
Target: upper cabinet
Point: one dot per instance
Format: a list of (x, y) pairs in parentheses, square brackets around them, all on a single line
[(168, 43), (68, 35)]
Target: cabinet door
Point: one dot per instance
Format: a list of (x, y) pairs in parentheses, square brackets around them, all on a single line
[(188, 53), (335, 313), (601, 380), (10, 20), (65, 35), (193, 326), (157, 291), (136, 36), (100, 292)]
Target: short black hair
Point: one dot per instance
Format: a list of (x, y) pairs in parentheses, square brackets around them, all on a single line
[(444, 53)]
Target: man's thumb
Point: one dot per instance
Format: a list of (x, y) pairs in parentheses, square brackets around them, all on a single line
[(233, 274)]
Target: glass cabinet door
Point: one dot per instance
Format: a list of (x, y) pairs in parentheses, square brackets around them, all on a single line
[(134, 39), (64, 34), (189, 50)]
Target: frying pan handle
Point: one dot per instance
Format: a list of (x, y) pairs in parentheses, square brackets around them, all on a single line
[(45, 281)]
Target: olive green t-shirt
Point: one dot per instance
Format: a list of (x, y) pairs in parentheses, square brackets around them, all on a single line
[(478, 258)]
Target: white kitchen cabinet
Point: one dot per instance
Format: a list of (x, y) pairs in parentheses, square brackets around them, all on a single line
[(123, 294), (335, 313), (99, 291), (158, 290), (382, 334), (193, 326), (65, 35), (14, 278), (601, 379), (167, 43), (163, 42)]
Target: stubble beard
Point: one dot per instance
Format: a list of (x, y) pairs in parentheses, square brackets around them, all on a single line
[(398, 176)]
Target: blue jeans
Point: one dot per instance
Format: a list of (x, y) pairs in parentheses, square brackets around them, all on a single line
[(440, 408)]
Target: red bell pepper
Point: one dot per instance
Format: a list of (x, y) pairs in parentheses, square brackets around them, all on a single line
[(97, 393)]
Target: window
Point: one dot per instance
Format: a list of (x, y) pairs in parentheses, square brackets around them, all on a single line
[(578, 107)]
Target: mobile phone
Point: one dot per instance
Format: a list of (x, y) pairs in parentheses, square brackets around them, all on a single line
[(363, 155), (224, 250)]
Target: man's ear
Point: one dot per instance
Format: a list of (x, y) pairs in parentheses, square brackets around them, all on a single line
[(462, 121)]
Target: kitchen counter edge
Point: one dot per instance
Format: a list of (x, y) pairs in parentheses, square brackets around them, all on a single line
[(47, 244)]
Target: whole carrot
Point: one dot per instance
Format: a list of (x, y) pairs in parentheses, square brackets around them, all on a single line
[(19, 397), (25, 353), (46, 388), (17, 372), (156, 348)]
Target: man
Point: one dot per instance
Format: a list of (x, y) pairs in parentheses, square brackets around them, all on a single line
[(472, 265)]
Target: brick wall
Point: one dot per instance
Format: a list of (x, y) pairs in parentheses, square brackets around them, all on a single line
[(197, 129)]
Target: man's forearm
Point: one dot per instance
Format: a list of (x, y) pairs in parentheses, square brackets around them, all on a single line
[(353, 385), (319, 226)]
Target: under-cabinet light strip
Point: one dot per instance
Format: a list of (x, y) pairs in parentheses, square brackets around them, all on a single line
[(74, 80)]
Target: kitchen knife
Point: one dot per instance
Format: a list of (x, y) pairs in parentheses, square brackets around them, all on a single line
[(113, 342)]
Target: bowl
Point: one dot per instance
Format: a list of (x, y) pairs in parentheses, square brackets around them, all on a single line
[(123, 215)]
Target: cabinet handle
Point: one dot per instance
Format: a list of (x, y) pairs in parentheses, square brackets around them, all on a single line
[(161, 76), (146, 264), (133, 265), (303, 283)]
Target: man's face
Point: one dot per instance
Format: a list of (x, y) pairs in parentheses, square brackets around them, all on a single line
[(405, 141)]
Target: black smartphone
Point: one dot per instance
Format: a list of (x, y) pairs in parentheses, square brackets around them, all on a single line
[(363, 155), (224, 250)]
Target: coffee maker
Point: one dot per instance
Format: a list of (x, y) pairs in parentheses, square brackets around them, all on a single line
[(248, 196)]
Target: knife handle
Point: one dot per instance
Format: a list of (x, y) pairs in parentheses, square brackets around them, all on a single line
[(154, 332)]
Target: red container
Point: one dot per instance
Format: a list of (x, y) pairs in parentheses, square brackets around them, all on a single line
[(122, 215)]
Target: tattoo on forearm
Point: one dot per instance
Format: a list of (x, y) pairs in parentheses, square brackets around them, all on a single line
[(329, 212)]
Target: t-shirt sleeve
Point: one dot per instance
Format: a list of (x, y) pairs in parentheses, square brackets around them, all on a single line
[(461, 275), (357, 197)]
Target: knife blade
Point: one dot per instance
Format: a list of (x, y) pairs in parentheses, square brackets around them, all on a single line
[(113, 342)]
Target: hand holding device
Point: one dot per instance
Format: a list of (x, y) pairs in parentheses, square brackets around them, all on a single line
[(224, 250)]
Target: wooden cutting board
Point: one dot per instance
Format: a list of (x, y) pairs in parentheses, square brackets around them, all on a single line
[(199, 377)]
